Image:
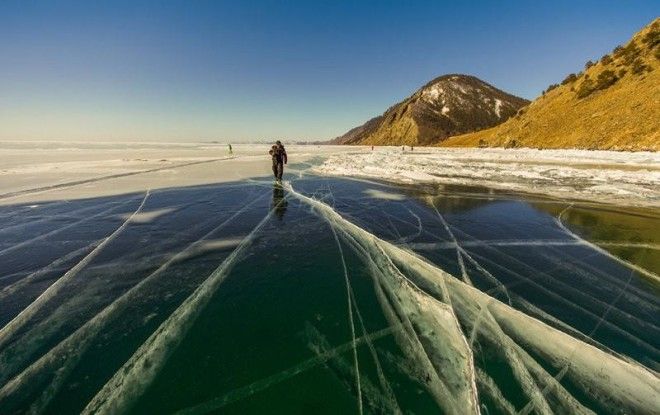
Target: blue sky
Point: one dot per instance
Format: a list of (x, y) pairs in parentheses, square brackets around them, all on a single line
[(255, 70)]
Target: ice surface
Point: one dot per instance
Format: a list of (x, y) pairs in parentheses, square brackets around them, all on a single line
[(370, 298), (136, 374), (626, 384), (70, 350), (52, 290)]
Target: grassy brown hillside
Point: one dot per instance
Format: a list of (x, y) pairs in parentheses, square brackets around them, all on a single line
[(613, 105)]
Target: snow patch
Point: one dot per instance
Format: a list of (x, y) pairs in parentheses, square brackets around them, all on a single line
[(597, 175), (146, 217), (433, 93), (460, 88), (219, 244), (379, 194), (498, 107)]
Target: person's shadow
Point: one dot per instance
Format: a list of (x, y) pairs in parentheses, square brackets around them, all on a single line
[(279, 203)]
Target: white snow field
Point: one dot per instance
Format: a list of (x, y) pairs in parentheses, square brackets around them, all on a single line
[(37, 171), (604, 176)]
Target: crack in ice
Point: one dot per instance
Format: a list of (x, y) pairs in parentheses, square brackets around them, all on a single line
[(71, 349), (655, 277), (129, 382), (30, 311)]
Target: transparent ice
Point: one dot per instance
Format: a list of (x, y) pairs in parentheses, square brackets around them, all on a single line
[(327, 295)]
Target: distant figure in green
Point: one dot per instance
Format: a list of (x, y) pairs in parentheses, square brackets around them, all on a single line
[(230, 149), (278, 154)]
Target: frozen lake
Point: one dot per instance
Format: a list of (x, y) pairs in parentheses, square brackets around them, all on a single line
[(327, 295)]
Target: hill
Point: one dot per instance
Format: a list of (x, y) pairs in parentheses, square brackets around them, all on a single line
[(446, 106), (613, 104)]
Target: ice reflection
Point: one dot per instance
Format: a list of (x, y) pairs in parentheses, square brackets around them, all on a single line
[(279, 203)]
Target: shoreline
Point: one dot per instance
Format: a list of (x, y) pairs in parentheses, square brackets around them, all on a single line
[(574, 175)]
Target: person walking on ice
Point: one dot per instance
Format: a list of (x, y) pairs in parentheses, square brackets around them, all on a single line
[(278, 154)]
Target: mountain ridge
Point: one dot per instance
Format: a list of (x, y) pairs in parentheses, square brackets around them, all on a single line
[(446, 105)]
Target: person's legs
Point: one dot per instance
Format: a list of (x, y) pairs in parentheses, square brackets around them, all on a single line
[(275, 168)]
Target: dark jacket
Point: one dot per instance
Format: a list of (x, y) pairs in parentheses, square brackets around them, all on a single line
[(278, 155)]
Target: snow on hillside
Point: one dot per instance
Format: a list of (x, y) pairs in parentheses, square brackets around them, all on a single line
[(446, 106), (631, 178)]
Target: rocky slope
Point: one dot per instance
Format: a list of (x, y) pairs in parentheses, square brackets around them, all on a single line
[(446, 106), (613, 104)]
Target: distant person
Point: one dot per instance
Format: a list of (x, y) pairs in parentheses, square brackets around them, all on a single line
[(412, 148), (372, 148), (403, 148), (279, 157), (230, 150)]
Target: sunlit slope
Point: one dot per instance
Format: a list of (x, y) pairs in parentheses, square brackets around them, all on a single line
[(613, 105), (448, 105)]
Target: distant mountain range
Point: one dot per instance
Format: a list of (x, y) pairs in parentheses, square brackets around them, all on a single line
[(446, 106), (613, 104)]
